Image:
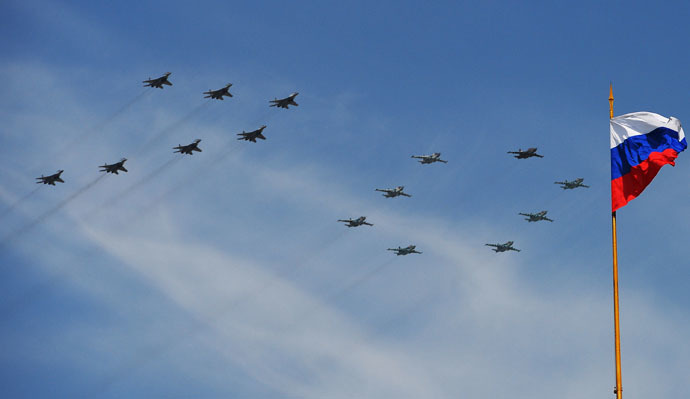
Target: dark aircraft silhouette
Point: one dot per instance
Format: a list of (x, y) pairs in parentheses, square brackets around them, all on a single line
[(393, 192), (536, 217), (569, 185), (508, 246), (355, 222), (158, 82), (410, 249), (218, 94), (530, 152), (187, 149), (51, 179), (435, 157), (253, 135), (114, 168), (284, 102)]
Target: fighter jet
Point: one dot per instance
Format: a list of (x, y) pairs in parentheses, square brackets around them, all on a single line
[(393, 192), (530, 152), (569, 185), (410, 249), (535, 217), (508, 246), (189, 148), (355, 222), (218, 94), (51, 179), (158, 82), (114, 168), (284, 102), (435, 157), (253, 135)]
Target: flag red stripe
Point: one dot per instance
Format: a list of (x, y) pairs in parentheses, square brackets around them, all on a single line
[(627, 187)]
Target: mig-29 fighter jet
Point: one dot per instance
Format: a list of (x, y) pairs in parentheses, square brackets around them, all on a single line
[(114, 168), (535, 217), (410, 249), (355, 222), (530, 152), (508, 246), (569, 185), (158, 82), (393, 192), (253, 135), (218, 94), (284, 102), (424, 159), (187, 149), (50, 179)]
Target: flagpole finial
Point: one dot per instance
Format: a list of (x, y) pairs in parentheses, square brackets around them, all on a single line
[(611, 100)]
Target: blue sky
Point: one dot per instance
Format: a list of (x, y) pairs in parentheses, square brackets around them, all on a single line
[(226, 274)]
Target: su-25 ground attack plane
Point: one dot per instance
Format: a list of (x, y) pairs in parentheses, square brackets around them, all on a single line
[(218, 94), (51, 179), (253, 135), (536, 217), (189, 148), (424, 159), (393, 192), (508, 246), (528, 153), (158, 82), (114, 168), (284, 102), (569, 185), (355, 222), (410, 249)]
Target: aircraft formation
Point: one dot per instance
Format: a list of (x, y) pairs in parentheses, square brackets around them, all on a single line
[(285, 103)]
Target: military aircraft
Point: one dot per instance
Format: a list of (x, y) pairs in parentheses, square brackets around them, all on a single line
[(218, 94), (435, 157), (393, 192), (284, 102), (410, 249), (508, 246), (530, 152), (114, 168), (535, 217), (355, 222), (253, 135), (569, 185), (51, 179), (158, 82), (187, 149)]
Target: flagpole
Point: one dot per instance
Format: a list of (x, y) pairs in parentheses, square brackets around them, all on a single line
[(618, 390)]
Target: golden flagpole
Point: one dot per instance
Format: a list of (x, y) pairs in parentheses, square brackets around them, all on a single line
[(618, 389)]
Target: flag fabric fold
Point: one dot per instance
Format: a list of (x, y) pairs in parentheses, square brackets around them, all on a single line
[(641, 143)]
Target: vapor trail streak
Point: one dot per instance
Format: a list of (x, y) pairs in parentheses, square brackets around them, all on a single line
[(361, 280), (89, 132), (19, 201), (170, 128), (50, 212)]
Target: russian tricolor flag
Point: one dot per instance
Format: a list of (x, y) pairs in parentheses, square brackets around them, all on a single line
[(641, 143)]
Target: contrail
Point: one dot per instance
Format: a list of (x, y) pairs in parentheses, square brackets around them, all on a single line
[(113, 199), (50, 212), (88, 133), (361, 279), (227, 151), (19, 201), (169, 129)]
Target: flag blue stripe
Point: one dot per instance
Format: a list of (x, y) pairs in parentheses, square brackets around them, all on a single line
[(636, 149)]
